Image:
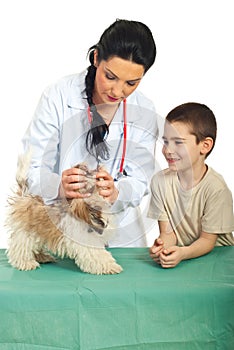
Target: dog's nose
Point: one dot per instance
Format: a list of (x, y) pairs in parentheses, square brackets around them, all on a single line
[(98, 230)]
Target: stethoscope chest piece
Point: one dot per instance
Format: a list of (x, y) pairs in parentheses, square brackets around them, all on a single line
[(120, 175)]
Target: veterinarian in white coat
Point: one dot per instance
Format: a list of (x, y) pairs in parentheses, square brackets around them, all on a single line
[(97, 117)]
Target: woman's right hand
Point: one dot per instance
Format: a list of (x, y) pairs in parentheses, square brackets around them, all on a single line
[(72, 181)]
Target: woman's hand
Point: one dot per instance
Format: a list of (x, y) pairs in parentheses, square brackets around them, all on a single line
[(105, 183), (72, 181)]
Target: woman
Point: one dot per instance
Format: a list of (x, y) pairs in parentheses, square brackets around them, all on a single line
[(98, 117)]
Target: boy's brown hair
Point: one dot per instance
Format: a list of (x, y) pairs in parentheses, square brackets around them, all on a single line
[(198, 117)]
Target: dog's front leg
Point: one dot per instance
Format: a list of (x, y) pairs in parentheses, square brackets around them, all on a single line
[(20, 251), (96, 261)]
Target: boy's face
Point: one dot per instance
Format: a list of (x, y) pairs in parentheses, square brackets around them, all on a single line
[(180, 148)]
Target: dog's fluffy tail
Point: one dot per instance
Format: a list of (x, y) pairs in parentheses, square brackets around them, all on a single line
[(22, 172)]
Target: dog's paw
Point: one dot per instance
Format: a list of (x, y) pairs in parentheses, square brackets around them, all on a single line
[(111, 269), (97, 262), (26, 265), (101, 268)]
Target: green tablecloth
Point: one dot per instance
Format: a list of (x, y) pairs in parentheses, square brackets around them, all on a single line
[(145, 307)]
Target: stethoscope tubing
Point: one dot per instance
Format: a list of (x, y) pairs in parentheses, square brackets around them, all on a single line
[(123, 136)]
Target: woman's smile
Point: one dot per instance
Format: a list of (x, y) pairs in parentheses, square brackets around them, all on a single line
[(113, 99)]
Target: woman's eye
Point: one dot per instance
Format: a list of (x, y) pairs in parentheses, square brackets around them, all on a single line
[(110, 77), (131, 83)]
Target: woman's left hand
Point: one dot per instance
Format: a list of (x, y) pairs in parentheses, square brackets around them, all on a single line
[(105, 183)]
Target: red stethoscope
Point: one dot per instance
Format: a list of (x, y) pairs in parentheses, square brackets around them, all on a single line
[(121, 171)]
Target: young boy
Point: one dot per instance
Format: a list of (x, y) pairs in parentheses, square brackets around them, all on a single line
[(191, 201)]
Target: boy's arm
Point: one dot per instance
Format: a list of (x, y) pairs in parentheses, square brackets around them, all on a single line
[(167, 234), (173, 255), (203, 245)]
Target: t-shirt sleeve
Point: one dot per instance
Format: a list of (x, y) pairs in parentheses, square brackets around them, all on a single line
[(218, 213)]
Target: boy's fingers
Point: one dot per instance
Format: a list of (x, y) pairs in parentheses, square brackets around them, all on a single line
[(158, 241)]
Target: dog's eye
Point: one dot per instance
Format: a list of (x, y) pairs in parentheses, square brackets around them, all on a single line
[(97, 207)]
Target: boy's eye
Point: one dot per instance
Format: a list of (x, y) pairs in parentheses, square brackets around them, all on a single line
[(166, 143)]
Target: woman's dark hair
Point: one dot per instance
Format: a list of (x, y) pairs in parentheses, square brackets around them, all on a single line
[(129, 40), (200, 119)]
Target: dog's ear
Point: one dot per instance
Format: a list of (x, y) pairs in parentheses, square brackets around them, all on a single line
[(92, 215), (96, 214), (80, 210)]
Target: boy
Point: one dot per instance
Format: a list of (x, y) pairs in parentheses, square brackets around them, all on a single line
[(190, 200)]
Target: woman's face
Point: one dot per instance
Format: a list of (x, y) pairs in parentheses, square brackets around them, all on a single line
[(115, 79)]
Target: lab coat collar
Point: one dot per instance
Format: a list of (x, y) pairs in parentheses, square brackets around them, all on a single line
[(78, 98)]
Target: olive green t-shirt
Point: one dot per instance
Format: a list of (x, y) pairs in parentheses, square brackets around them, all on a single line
[(207, 207)]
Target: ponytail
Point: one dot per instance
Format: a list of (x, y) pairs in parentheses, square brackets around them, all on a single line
[(129, 40), (95, 139)]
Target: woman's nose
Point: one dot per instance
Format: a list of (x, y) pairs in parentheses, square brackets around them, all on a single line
[(117, 89)]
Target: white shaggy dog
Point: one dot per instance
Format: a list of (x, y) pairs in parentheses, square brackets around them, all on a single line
[(77, 228)]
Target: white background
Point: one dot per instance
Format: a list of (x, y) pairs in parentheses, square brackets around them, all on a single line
[(43, 40)]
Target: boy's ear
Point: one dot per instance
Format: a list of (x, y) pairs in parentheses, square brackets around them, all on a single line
[(206, 145)]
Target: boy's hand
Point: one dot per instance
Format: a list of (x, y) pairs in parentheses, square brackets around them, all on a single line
[(156, 250), (171, 257)]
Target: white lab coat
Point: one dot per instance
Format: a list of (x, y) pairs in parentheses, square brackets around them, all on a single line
[(56, 136)]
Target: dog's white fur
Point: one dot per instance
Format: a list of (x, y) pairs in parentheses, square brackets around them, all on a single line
[(77, 228)]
